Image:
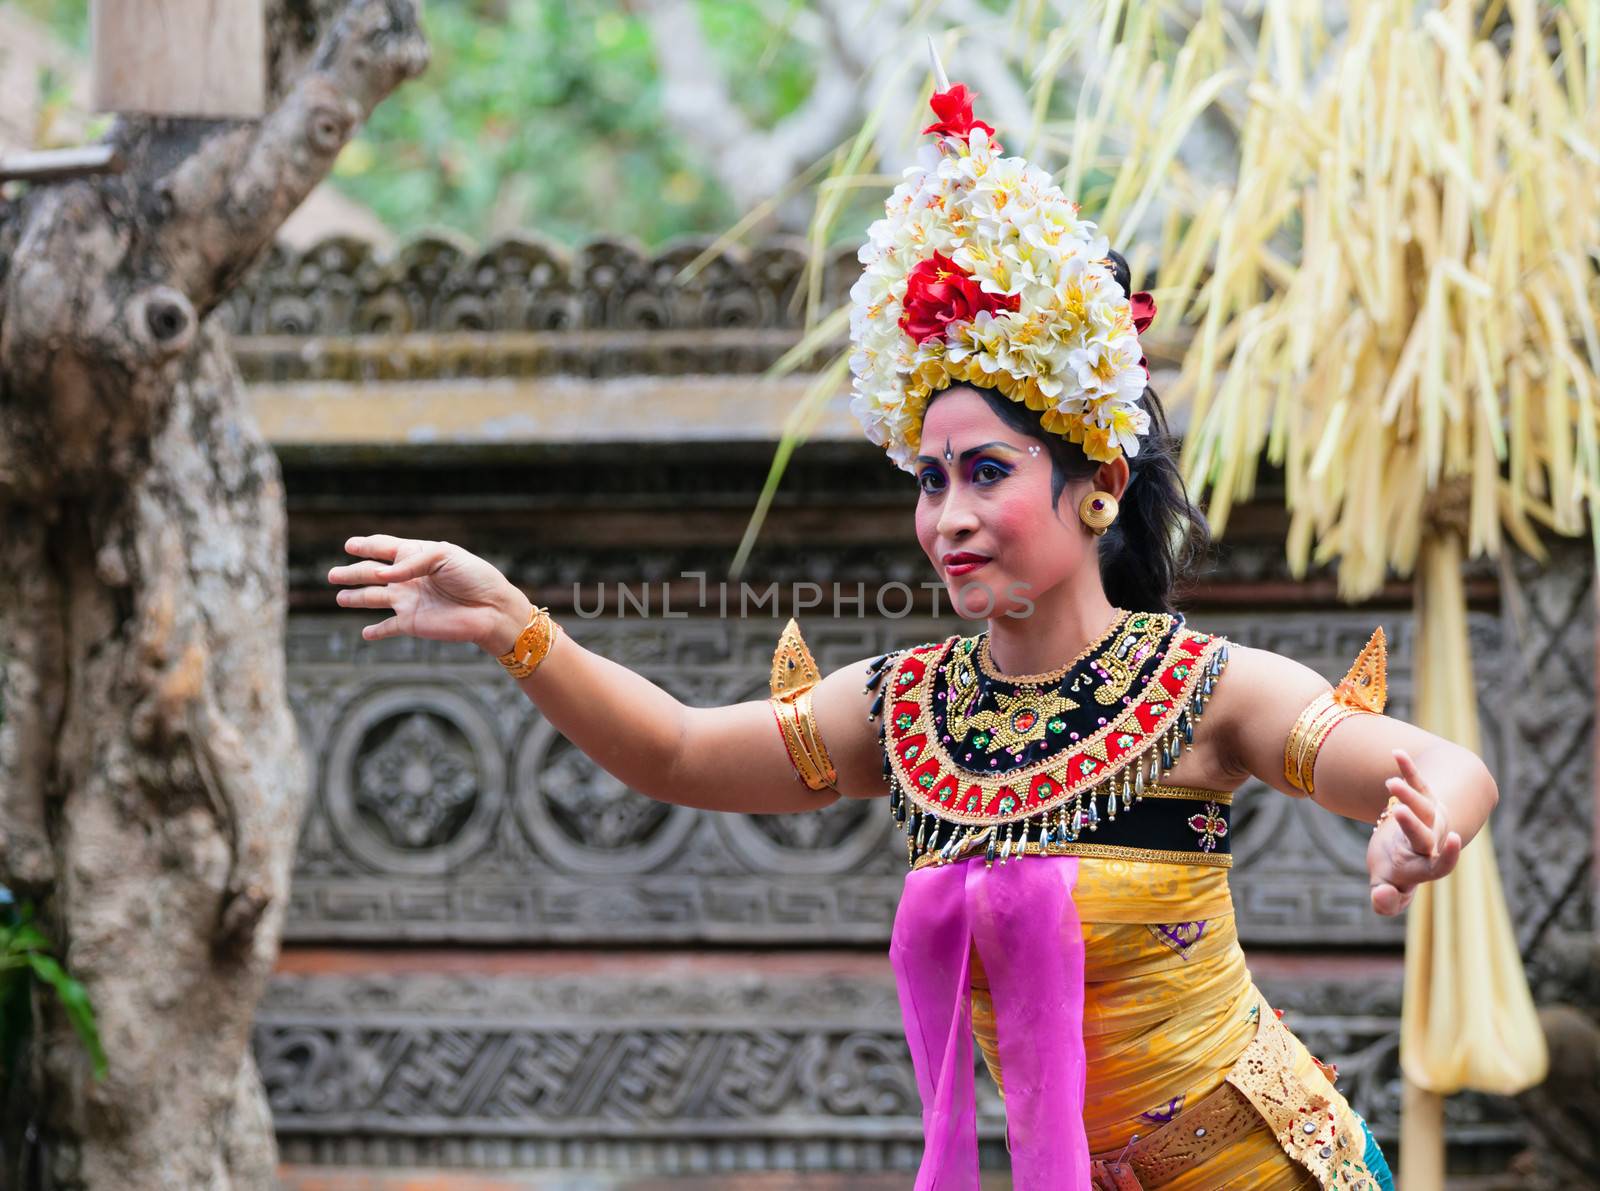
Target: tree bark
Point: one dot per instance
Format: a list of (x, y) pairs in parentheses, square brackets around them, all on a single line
[(150, 782)]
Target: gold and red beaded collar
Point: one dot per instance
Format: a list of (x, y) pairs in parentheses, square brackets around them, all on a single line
[(976, 758)]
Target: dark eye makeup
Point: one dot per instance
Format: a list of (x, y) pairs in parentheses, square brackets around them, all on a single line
[(984, 473)]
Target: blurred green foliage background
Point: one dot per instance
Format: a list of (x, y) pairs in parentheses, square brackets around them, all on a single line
[(544, 115)]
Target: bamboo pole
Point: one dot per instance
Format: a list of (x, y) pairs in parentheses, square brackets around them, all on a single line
[(1467, 1018)]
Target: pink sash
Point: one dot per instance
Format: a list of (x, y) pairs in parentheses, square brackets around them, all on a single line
[(1026, 927)]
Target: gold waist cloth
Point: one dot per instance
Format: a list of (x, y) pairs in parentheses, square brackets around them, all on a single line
[(1169, 1013)]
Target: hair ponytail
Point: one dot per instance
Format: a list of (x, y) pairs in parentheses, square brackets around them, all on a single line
[(1159, 536)]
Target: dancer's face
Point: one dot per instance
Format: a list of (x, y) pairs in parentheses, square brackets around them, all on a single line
[(992, 498)]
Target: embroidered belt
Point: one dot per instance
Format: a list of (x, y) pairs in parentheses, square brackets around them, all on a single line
[(1261, 1087), (1174, 824), (1186, 1141)]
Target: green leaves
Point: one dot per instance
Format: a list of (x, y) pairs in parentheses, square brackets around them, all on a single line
[(548, 117), (25, 953)]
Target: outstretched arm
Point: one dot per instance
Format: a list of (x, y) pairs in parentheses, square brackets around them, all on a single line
[(1442, 792), (728, 758)]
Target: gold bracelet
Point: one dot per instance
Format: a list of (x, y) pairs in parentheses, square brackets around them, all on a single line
[(794, 673), (532, 644), (1388, 809)]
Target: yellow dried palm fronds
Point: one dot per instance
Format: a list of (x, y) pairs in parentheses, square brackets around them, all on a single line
[(1402, 291)]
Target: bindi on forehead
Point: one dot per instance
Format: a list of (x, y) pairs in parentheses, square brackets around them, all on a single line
[(998, 446)]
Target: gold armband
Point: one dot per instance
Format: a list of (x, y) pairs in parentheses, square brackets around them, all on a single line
[(794, 673), (1363, 691)]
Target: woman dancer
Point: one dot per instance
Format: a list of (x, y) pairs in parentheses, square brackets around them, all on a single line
[(1063, 777)]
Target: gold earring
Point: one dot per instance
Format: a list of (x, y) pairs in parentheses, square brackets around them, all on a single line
[(1098, 510)]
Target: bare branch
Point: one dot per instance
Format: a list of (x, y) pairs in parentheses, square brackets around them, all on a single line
[(224, 203), (59, 165), (294, 29)]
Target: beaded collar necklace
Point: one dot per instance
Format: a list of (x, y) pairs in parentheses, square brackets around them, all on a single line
[(975, 757), (990, 671)]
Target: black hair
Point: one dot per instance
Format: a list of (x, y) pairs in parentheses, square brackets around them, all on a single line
[(1159, 535)]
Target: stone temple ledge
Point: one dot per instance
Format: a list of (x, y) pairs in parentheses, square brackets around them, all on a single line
[(524, 342)]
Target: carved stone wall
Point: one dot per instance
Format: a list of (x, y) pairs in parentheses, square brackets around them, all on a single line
[(447, 810), (498, 956), (522, 307), (1546, 829), (733, 1068)]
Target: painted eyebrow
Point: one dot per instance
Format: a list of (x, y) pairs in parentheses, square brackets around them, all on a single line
[(970, 451)]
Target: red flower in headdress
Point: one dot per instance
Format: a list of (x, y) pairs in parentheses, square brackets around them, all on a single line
[(1144, 313), (940, 292), (1144, 309), (954, 109)]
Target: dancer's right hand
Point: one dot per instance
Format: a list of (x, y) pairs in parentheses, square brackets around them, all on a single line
[(435, 590)]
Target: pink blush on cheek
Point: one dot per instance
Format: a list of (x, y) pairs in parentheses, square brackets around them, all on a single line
[(1040, 547), (927, 523), (1014, 516), (1017, 525)]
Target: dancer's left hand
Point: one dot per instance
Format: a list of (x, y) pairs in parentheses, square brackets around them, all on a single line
[(1412, 844)]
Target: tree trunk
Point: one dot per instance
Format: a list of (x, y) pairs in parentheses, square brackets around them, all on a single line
[(150, 782)]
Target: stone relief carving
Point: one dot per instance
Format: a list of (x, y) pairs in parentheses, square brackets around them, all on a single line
[(738, 1060), (548, 850), (580, 819), (1544, 827), (531, 807), (417, 783), (412, 781), (523, 307)]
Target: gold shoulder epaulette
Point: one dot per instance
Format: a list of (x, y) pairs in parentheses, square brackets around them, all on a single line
[(793, 668), (1366, 686)]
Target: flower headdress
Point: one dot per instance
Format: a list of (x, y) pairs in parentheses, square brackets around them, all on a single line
[(982, 271)]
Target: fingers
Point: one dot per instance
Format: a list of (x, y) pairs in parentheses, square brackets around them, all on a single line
[(423, 562), (1388, 900), (379, 545), (1408, 769), (1418, 834), (1421, 799), (358, 572), (367, 597), (384, 628), (1449, 852), (1393, 892), (1422, 808)]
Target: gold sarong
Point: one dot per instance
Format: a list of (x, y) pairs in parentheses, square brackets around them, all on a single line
[(1169, 1012)]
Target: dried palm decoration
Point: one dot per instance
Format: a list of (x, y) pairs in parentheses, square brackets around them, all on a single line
[(1401, 302), (1400, 312)]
